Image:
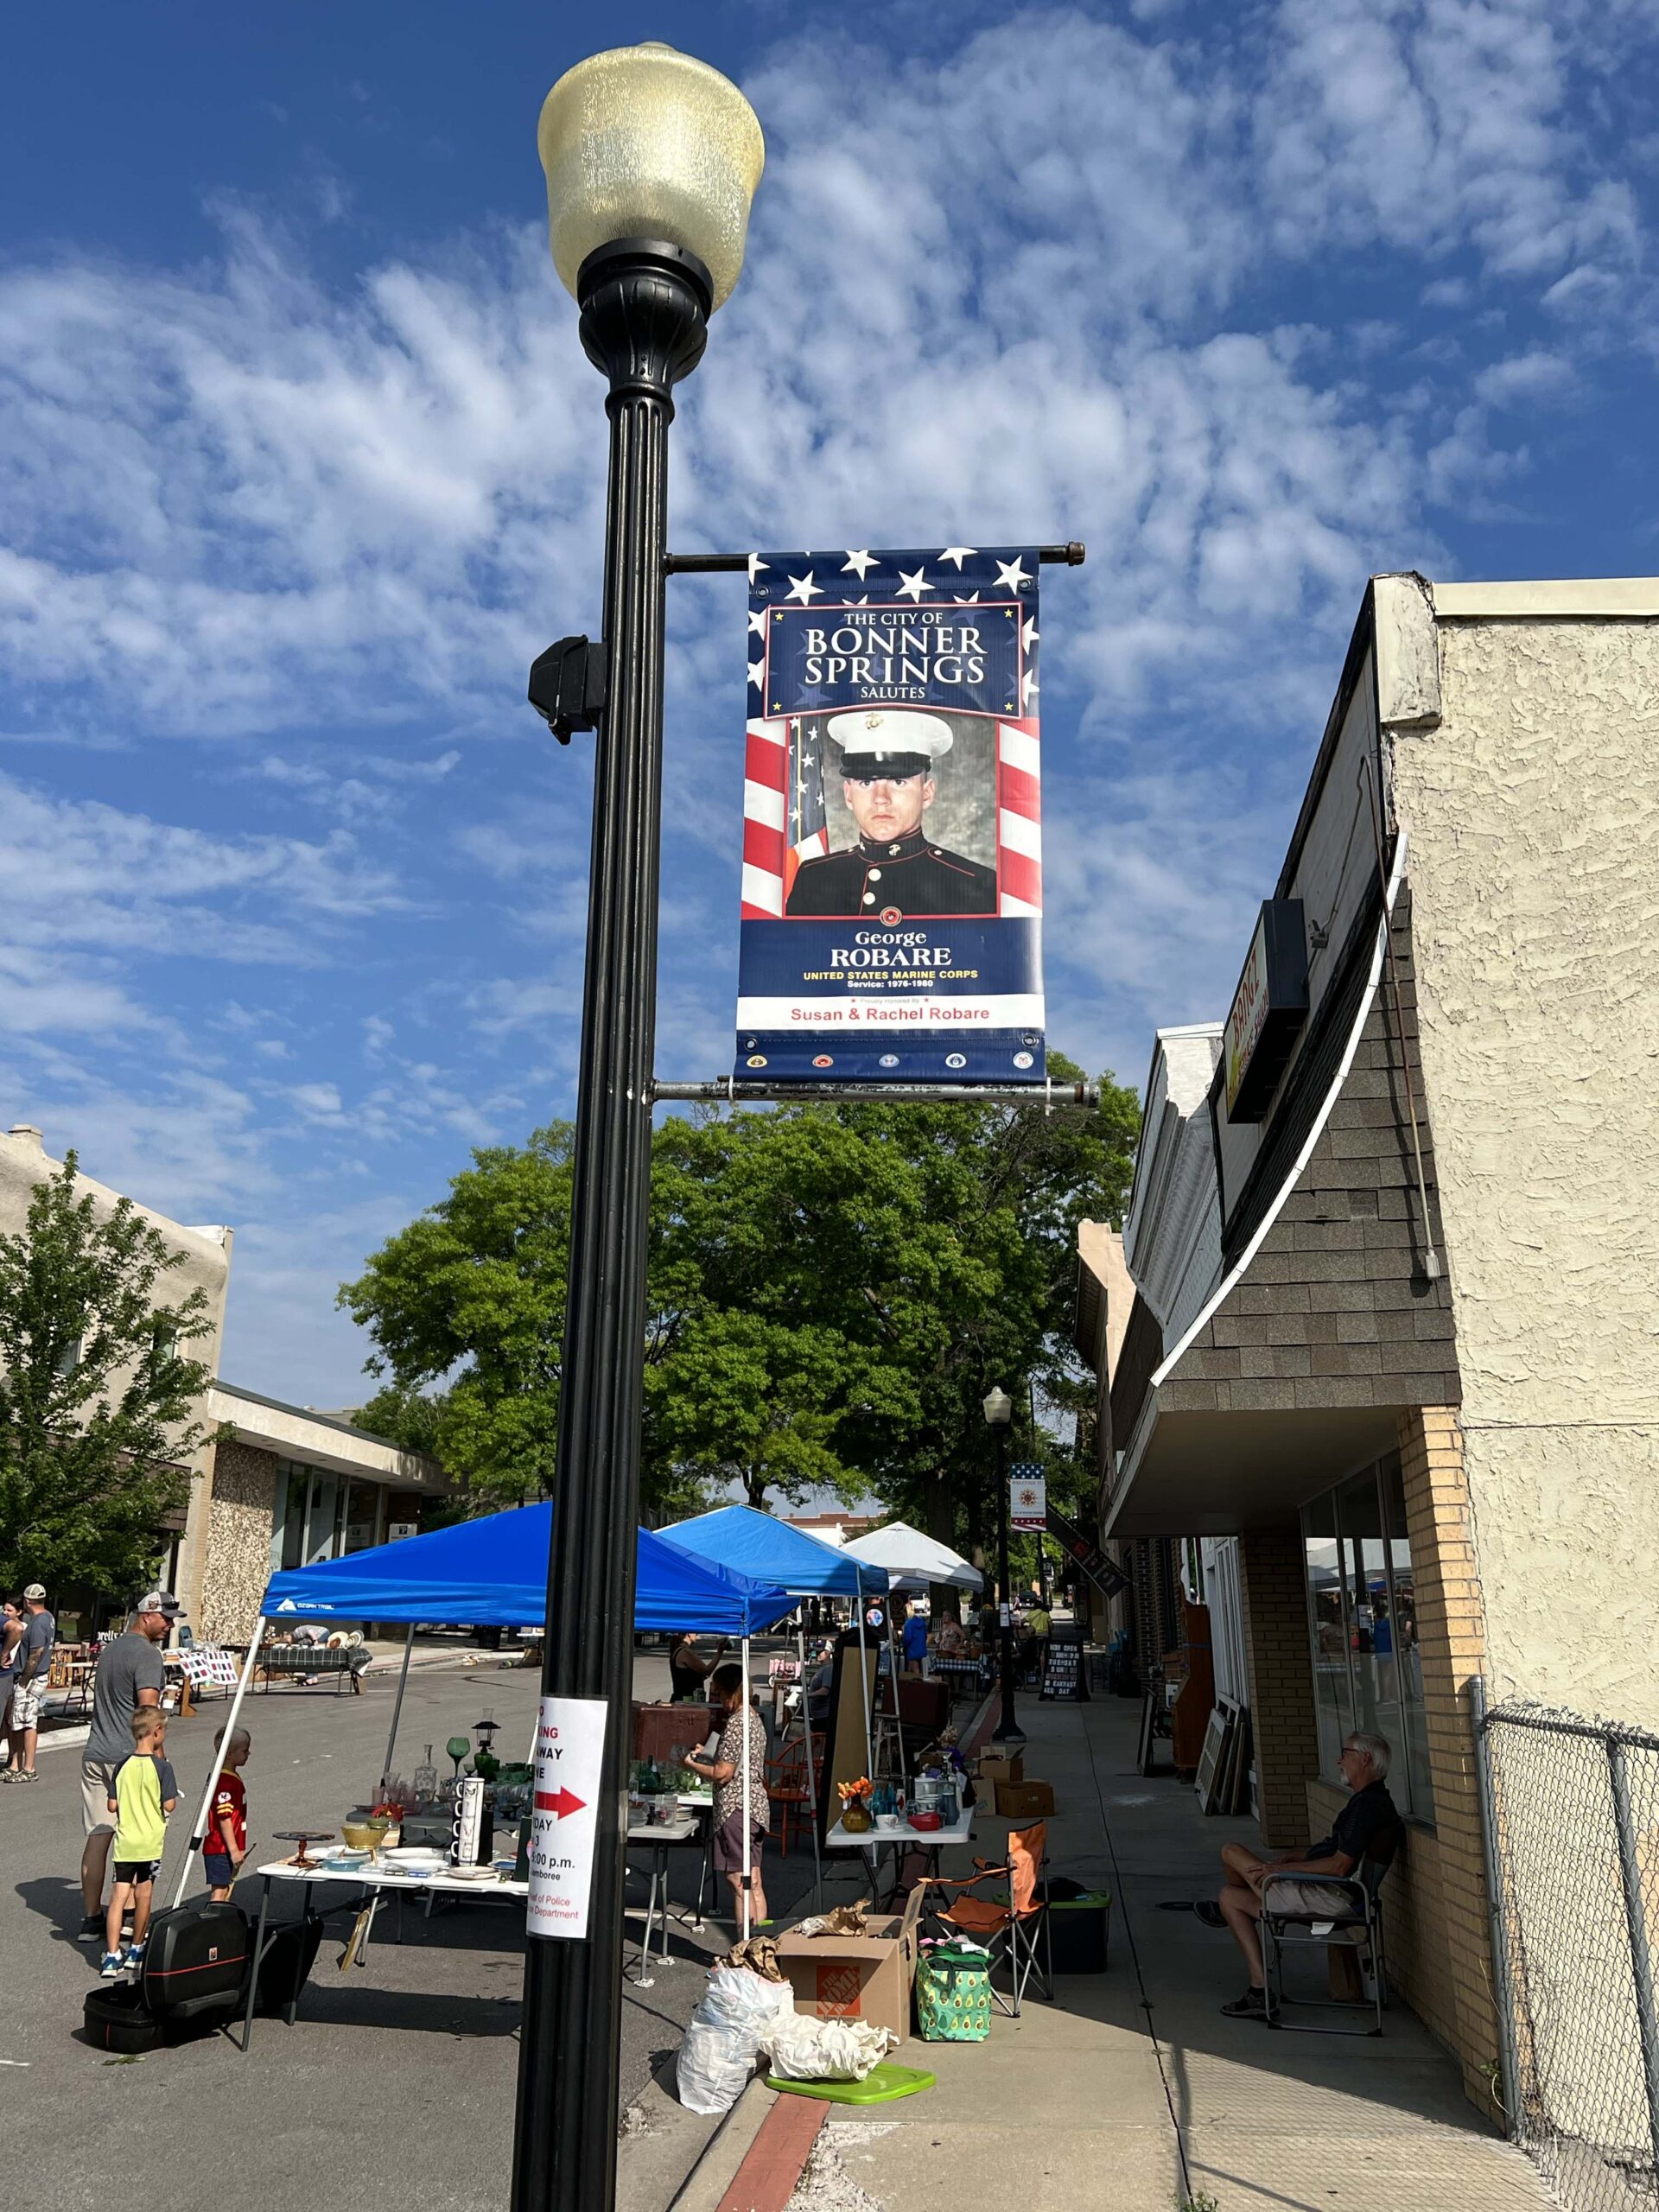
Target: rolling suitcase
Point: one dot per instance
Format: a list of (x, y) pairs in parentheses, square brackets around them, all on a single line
[(195, 1961)]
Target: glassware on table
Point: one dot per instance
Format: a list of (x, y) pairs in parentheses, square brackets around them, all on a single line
[(425, 1783), (458, 1748)]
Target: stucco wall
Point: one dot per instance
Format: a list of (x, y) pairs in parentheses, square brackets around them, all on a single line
[(1533, 811), (238, 1564)]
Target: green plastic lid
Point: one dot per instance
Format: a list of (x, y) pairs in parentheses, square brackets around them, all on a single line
[(880, 2087)]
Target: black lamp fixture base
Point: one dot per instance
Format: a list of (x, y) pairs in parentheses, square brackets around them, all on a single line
[(645, 307)]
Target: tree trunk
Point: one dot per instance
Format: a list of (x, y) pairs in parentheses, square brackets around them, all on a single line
[(942, 1598)]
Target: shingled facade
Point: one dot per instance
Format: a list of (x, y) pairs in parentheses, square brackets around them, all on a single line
[(1403, 1361)]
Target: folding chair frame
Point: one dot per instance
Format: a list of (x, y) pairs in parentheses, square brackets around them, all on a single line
[(1006, 1944), (1279, 1936)]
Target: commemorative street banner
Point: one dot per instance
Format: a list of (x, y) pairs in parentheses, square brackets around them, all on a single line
[(893, 883), (1028, 1496)]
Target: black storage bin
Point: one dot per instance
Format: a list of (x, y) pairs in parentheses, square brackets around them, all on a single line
[(116, 2018), (195, 1961), (1079, 1929)]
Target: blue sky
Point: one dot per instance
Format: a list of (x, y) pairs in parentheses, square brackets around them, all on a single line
[(301, 463)]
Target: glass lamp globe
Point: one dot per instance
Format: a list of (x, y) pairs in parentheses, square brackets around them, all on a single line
[(642, 142), (998, 1406)]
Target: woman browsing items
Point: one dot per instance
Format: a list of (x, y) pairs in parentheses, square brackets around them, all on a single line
[(742, 1734)]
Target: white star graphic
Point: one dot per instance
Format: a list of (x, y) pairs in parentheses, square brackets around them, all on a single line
[(755, 566), (860, 602), (958, 554), (758, 674), (758, 621), (1027, 684), (804, 589), (910, 584), (1028, 635), (966, 598), (860, 562), (1011, 575)]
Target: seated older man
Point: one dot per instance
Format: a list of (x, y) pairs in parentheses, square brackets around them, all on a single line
[(1367, 1826)]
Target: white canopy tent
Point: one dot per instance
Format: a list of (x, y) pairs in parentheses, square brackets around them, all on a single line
[(913, 1560)]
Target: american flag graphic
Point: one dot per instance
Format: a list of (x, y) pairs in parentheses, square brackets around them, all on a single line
[(809, 827)]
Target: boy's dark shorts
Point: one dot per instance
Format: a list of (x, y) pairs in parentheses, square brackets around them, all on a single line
[(220, 1869), (139, 1870)]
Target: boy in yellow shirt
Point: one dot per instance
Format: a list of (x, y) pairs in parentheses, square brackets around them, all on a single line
[(145, 1792)]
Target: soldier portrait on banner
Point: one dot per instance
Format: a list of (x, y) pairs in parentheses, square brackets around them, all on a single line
[(892, 849)]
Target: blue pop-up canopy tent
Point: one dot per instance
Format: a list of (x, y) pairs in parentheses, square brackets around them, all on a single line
[(493, 1573), (805, 1566)]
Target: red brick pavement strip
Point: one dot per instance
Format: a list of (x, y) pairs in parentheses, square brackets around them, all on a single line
[(776, 2158)]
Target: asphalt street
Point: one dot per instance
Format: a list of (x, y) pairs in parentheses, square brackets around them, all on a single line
[(398, 2082)]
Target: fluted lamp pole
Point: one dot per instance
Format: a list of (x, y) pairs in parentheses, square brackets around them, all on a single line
[(999, 1412), (651, 161)]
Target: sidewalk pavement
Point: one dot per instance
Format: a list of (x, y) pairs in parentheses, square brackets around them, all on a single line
[(1131, 2091)]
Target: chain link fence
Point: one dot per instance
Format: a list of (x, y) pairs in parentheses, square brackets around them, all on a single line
[(1572, 1812)]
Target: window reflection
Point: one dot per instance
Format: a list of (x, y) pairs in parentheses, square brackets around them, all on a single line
[(1362, 1622)]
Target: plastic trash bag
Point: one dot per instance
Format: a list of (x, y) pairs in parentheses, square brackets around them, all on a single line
[(803, 2049), (718, 2050)]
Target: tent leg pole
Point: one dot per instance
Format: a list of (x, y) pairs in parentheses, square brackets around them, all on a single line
[(897, 1716), (811, 1778), (748, 1804), (204, 1809), (866, 1691), (397, 1708)]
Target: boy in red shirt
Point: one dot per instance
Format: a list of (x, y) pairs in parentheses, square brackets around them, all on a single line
[(226, 1845)]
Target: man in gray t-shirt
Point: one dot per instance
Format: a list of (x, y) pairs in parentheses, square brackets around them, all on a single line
[(32, 1662), (130, 1673)]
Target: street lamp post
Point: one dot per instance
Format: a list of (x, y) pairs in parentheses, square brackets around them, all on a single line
[(999, 1410), (652, 162)]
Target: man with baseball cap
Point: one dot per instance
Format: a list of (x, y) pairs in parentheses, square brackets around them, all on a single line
[(34, 1664), (130, 1673), (889, 762)]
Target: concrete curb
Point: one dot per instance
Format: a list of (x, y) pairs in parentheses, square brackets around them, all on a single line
[(705, 2186)]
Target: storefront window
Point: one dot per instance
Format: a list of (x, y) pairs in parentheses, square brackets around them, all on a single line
[(1332, 1686), (362, 1515), (1362, 1622)]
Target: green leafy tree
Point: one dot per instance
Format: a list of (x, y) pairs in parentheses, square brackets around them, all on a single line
[(98, 1391), (831, 1289)]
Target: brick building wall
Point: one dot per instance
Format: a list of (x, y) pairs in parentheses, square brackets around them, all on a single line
[(1279, 1667)]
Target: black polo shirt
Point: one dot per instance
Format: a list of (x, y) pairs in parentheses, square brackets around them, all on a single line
[(1367, 1826)]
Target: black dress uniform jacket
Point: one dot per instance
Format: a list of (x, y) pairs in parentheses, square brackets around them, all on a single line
[(907, 876)]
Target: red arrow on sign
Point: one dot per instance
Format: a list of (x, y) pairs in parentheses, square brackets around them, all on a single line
[(560, 1802)]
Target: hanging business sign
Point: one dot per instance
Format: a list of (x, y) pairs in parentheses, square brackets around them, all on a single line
[(1269, 1008), (1086, 1555), (891, 918), (1028, 1496), (563, 1815)]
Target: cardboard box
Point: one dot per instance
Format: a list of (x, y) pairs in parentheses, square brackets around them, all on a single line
[(1001, 1766), (857, 1977), (1025, 1801)]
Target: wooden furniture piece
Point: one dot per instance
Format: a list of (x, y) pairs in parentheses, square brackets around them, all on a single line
[(1192, 1666)]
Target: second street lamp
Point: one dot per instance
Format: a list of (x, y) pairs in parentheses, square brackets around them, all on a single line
[(652, 162), (999, 1411)]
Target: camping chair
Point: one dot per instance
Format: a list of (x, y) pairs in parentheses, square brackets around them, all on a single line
[(786, 1786), (1360, 1926), (1007, 1931)]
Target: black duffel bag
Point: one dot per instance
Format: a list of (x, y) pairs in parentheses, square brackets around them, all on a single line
[(116, 2018)]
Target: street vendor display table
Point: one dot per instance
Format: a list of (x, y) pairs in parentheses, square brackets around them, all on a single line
[(963, 1676), (378, 1881), (899, 1841), (660, 1837)]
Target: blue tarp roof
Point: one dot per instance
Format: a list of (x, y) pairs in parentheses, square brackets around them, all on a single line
[(738, 1536), (494, 1572)]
